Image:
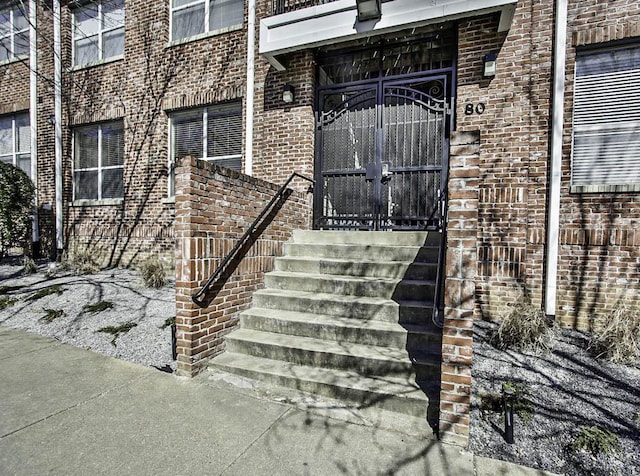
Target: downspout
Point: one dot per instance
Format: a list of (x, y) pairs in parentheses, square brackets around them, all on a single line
[(57, 94), (251, 51), (33, 119), (555, 165)]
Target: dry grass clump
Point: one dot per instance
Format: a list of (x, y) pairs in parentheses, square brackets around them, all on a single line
[(82, 262), (153, 273), (29, 265), (524, 326), (618, 340)]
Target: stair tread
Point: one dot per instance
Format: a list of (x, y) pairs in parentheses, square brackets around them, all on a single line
[(339, 321), (342, 298), (402, 387), (355, 279), (311, 344), (346, 261)]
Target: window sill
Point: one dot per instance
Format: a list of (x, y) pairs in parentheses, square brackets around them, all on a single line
[(14, 60), (94, 64), (206, 34), (624, 188), (169, 201), (96, 203)]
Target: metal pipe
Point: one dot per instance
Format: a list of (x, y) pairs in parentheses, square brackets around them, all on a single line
[(57, 95), (33, 119), (251, 51), (555, 164)]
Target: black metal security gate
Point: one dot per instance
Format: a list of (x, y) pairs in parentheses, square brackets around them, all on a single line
[(382, 150)]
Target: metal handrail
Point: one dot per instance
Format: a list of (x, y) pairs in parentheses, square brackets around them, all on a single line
[(196, 298)]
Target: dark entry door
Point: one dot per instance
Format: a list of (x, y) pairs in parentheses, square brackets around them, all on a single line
[(382, 149)]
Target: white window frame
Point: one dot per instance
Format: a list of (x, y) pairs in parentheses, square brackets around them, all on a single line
[(205, 156), (78, 35), (14, 33), (13, 155), (601, 110), (205, 31), (100, 168)]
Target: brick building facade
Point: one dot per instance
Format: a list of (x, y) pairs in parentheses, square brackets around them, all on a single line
[(499, 190)]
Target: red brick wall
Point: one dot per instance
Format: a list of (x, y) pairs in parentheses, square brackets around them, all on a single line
[(599, 255), (214, 207)]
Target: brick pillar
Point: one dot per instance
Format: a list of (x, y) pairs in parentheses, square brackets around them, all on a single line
[(461, 270)]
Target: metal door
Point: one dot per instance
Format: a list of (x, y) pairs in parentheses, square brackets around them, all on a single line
[(382, 149)]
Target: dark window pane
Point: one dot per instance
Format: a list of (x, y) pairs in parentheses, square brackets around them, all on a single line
[(24, 162), (86, 148), (188, 22), (112, 145), (86, 185), (224, 130), (86, 51), (112, 183), (187, 135), (113, 43), (4, 49), (21, 44), (23, 133), (112, 14), (5, 23), (224, 13), (86, 21), (6, 135)]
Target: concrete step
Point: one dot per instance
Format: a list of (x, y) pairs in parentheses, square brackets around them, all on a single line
[(363, 252), (343, 329), (344, 267), (401, 395), (352, 285), (356, 307), (364, 359), (404, 238)]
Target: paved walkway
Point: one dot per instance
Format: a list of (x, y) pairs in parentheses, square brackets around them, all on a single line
[(69, 411)]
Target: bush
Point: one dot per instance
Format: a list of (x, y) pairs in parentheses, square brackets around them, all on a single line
[(524, 326), (619, 338), (29, 266), (16, 201), (153, 273), (596, 440), (82, 262)]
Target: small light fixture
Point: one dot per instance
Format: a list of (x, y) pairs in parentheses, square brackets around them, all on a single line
[(489, 65), (288, 93), (51, 120), (368, 10)]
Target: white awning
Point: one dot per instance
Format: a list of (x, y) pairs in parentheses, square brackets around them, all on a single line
[(336, 22)]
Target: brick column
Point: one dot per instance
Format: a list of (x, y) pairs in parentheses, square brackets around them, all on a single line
[(461, 270)]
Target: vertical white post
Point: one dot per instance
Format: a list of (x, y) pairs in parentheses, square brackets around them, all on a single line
[(555, 165), (33, 115), (57, 106), (251, 51)]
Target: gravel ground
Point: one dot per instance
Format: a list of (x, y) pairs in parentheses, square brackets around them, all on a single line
[(569, 389), (145, 344)]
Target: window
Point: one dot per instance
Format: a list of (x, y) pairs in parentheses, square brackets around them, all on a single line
[(213, 133), (192, 17), (14, 32), (15, 141), (98, 161), (606, 121), (98, 31)]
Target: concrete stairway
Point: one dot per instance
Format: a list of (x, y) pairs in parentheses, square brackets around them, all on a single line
[(347, 315)]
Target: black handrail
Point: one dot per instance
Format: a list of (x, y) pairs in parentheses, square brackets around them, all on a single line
[(196, 298)]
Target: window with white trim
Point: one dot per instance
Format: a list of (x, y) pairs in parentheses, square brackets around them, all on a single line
[(213, 133), (98, 31), (193, 17), (98, 161), (606, 120), (14, 31), (15, 141)]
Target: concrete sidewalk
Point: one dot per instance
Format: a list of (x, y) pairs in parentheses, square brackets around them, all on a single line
[(69, 411)]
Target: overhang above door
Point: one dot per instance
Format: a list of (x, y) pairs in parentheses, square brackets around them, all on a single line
[(336, 22)]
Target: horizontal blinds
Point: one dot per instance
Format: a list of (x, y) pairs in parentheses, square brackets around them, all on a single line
[(606, 118)]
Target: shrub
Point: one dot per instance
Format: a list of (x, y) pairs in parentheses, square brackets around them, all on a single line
[(153, 273), (596, 440), (524, 326), (97, 307), (16, 201), (115, 331), (52, 314), (522, 404), (43, 292), (619, 338), (82, 262), (6, 301)]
